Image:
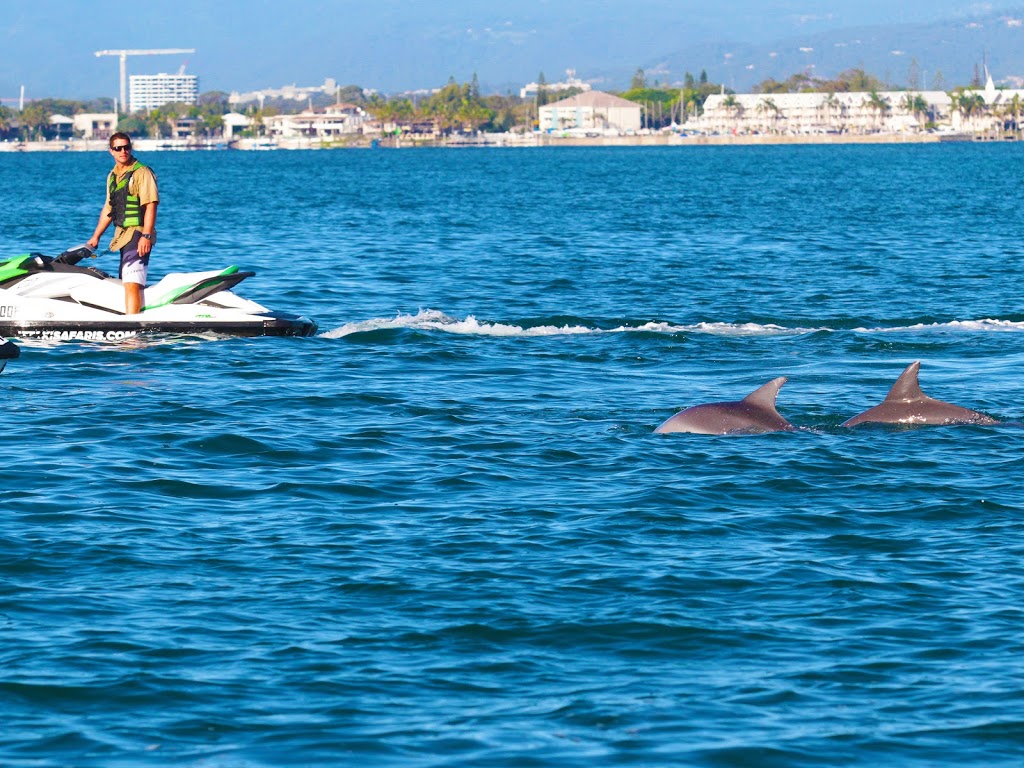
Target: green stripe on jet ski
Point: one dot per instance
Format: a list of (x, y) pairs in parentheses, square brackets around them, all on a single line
[(170, 297), (12, 268)]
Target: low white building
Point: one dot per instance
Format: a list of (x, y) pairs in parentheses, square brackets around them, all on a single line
[(591, 111), (796, 113), (63, 126), (335, 120), (96, 125), (235, 122)]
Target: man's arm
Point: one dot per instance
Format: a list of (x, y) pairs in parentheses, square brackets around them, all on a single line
[(101, 227), (148, 228)]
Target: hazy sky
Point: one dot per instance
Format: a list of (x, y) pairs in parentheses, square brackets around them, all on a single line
[(47, 45)]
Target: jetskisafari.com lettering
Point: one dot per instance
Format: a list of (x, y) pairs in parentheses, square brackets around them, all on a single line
[(79, 335)]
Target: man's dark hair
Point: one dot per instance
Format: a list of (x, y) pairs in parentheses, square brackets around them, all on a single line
[(119, 135)]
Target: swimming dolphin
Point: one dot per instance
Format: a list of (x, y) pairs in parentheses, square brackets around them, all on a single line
[(907, 404), (752, 415)]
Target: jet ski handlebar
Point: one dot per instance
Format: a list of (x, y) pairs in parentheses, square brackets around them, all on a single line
[(76, 254)]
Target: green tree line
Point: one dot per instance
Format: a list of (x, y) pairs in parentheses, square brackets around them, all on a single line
[(456, 107)]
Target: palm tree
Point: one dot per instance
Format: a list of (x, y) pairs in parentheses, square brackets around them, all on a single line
[(914, 104), (213, 123), (393, 111), (384, 111), (1012, 110), (154, 120), (969, 105), (374, 104), (879, 105), (403, 112), (734, 108), (34, 119), (172, 113), (956, 106), (829, 103), (258, 124), (691, 107), (767, 106), (472, 115)]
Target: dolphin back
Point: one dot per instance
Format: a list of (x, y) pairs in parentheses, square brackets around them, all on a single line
[(764, 397), (754, 414), (907, 404), (907, 388)]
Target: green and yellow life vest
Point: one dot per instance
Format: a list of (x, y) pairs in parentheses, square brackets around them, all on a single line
[(125, 209)]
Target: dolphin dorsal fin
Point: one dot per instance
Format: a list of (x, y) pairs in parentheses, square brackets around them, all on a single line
[(765, 396), (906, 386)]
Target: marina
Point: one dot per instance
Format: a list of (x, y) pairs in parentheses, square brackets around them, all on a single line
[(511, 140)]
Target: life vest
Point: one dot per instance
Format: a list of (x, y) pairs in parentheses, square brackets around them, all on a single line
[(125, 210)]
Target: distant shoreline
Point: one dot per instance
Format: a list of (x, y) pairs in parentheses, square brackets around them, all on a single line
[(758, 139), (511, 140)]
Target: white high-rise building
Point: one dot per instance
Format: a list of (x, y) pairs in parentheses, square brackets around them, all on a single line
[(152, 91)]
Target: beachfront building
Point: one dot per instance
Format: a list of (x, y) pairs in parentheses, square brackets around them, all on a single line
[(153, 91), (987, 110), (62, 126), (331, 122), (810, 113), (592, 111), (235, 122), (95, 125)]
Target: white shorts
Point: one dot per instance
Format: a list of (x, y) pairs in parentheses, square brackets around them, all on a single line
[(133, 267), (134, 272)]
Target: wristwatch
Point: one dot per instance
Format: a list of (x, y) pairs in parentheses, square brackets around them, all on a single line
[(148, 237)]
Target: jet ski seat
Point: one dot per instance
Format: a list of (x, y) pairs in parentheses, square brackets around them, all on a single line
[(192, 287)]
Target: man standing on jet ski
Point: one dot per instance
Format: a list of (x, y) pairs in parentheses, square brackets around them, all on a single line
[(131, 204)]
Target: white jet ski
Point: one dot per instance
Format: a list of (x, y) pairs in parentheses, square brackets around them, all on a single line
[(43, 297)]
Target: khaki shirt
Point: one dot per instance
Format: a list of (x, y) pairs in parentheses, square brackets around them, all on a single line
[(142, 185)]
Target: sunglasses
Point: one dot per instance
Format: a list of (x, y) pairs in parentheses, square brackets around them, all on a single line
[(122, 148)]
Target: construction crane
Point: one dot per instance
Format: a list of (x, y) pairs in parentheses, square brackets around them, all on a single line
[(20, 101), (124, 54)]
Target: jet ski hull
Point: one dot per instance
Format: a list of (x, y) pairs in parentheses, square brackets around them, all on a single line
[(117, 330), (54, 298)]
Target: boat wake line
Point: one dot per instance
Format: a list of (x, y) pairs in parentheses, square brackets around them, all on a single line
[(435, 320)]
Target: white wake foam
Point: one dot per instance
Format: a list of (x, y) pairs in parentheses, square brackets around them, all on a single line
[(987, 325), (434, 320)]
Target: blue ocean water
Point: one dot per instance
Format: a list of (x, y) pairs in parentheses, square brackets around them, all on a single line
[(443, 533)]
